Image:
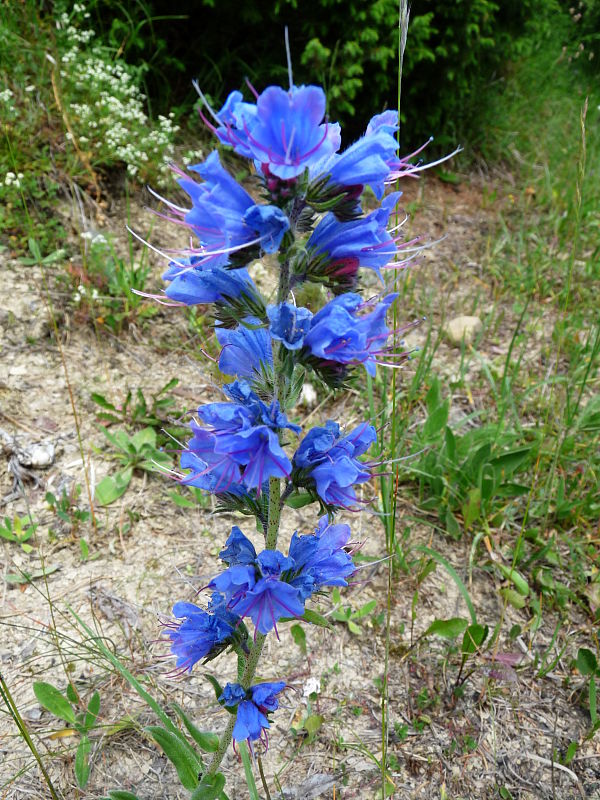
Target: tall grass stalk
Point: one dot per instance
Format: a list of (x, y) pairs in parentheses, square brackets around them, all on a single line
[(389, 488)]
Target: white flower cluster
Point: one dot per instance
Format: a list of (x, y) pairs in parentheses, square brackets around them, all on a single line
[(95, 239), (10, 179), (106, 108), (5, 95), (83, 292)]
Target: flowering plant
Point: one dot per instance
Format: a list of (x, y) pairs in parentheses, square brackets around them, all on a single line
[(245, 449)]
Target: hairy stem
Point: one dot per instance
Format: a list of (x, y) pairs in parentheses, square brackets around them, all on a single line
[(259, 640)]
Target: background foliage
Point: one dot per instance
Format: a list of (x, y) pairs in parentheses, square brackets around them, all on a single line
[(457, 51)]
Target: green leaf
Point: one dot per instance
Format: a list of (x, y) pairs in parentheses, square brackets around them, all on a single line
[(453, 528), (514, 598), (182, 501), (593, 704), (122, 794), (472, 508), (313, 723), (474, 637), (508, 463), (155, 460), (82, 767), (111, 488), (183, 758), (54, 701), (207, 741), (450, 444), (570, 754), (436, 421), (487, 482), (365, 610), (92, 711), (516, 578), (209, 788), (144, 438), (299, 500), (72, 694), (453, 574), (316, 619), (100, 400), (447, 628), (433, 398), (299, 636), (250, 782), (586, 661), (27, 577)]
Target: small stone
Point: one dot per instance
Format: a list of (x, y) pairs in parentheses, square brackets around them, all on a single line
[(463, 328), (39, 456)]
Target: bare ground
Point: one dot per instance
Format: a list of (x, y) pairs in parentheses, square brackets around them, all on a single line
[(508, 729)]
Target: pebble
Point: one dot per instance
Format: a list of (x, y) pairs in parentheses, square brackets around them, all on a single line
[(463, 328)]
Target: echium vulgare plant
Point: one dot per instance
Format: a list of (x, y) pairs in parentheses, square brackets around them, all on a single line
[(246, 450)]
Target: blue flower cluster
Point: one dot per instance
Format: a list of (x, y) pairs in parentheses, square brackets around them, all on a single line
[(270, 586), (253, 707), (245, 449)]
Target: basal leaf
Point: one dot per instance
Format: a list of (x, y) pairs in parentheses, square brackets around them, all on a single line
[(54, 701), (447, 628)]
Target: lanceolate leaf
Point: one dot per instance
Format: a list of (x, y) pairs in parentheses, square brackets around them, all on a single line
[(82, 767), (54, 701), (209, 788), (447, 628), (207, 741), (183, 758)]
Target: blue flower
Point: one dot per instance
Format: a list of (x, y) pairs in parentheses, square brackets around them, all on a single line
[(368, 162), (289, 324), (225, 217), (338, 249), (270, 223), (270, 598), (253, 706), (283, 133), (234, 582), (328, 463), (236, 118), (238, 549), (387, 122), (321, 557), (240, 434), (233, 693), (338, 334), (193, 282), (214, 472), (199, 633), (257, 586), (246, 350)]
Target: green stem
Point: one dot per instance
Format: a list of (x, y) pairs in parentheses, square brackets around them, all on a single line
[(20, 723), (259, 640), (274, 516)]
